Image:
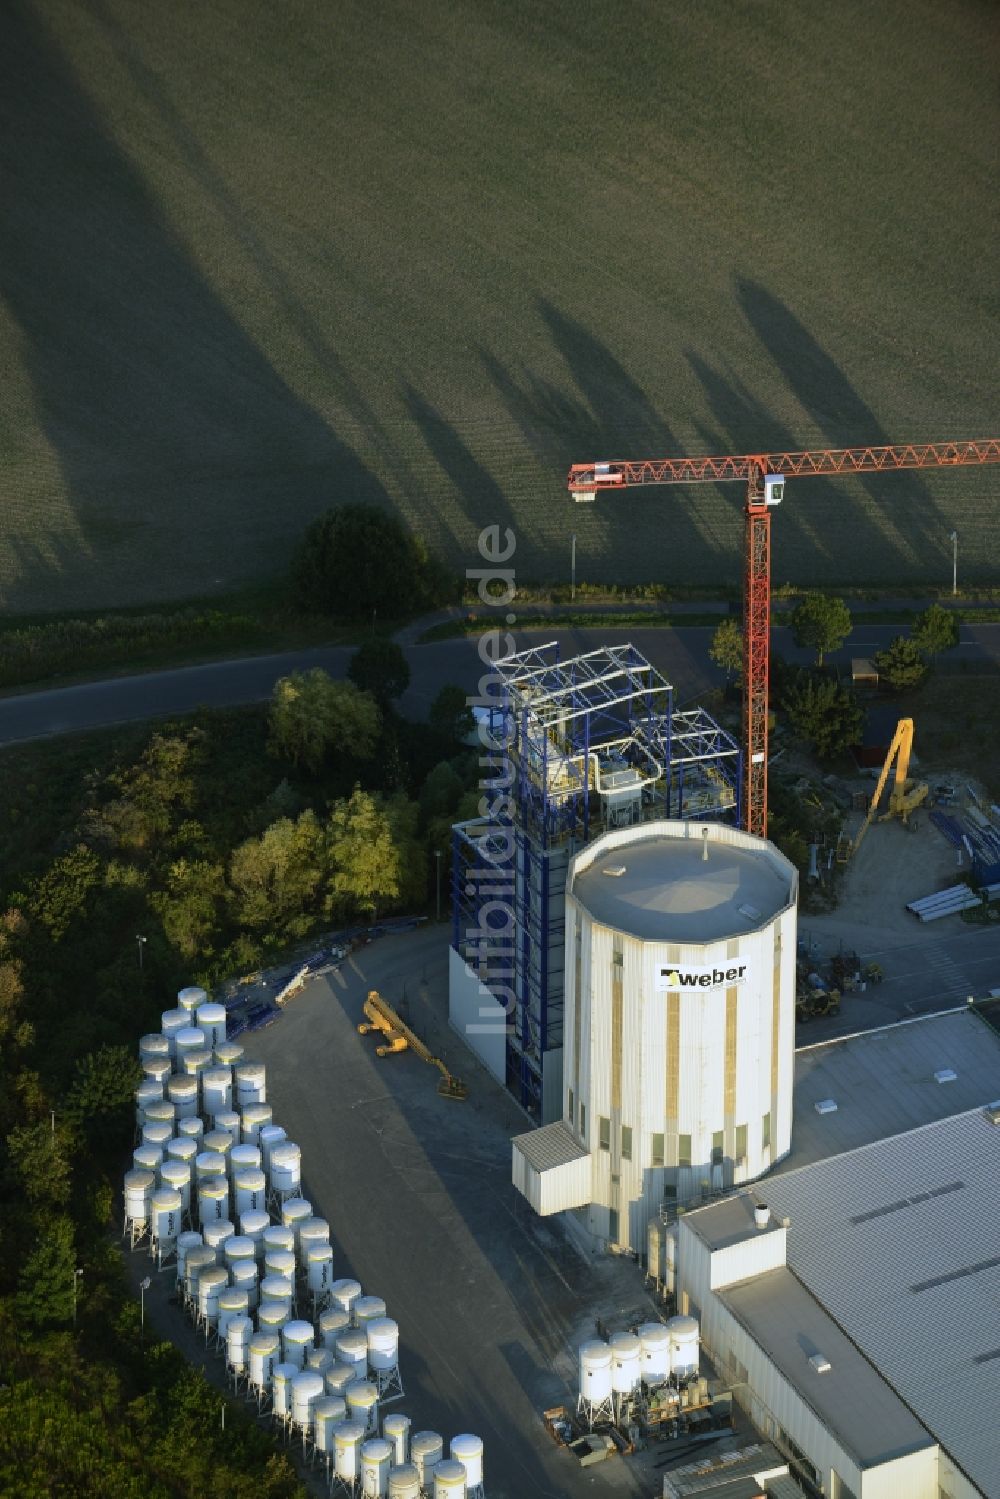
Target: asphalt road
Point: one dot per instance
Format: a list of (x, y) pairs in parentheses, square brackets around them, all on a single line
[(681, 655)]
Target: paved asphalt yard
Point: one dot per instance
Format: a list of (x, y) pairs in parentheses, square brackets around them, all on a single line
[(491, 1301)]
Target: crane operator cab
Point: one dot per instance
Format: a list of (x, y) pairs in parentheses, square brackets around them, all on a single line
[(774, 489)]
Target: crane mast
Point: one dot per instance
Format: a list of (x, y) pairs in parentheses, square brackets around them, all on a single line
[(764, 475)]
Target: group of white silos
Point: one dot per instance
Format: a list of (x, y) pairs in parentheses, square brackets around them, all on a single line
[(613, 1373), (316, 1351)]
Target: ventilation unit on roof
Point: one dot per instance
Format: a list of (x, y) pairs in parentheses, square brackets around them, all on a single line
[(821, 1363), (750, 912), (992, 1111), (614, 871), (945, 1075), (826, 1106)]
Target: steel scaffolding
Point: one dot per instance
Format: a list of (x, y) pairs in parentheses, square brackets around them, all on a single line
[(572, 748)]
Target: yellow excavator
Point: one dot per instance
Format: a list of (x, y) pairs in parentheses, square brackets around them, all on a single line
[(381, 1017), (904, 797)]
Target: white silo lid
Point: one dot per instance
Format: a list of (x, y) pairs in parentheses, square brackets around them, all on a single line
[(156, 1133), (157, 1070), (218, 1140), (352, 1347), (172, 1021), (339, 1377), (217, 1233), (191, 997), (244, 1158), (209, 1163), (367, 1308), (195, 1062), (449, 1479), (295, 1210), (190, 1038), (229, 1120), (147, 1157), (182, 1148), (210, 1014), (193, 1127), (276, 1236), (280, 1262), (319, 1359), (228, 1053), (404, 1481), (595, 1354), (349, 1434), (468, 1450), (153, 1044)]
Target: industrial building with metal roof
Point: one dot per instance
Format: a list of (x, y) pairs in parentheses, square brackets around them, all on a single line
[(860, 1309)]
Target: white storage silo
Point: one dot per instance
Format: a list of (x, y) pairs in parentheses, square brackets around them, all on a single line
[(209, 1163), (347, 1439), (177, 1175), (190, 997), (187, 1241), (285, 1169), (147, 1158), (307, 1388), (344, 1293), (376, 1456), (252, 1120), (467, 1449), (244, 1158), (327, 1412), (211, 1018), (232, 1303), (396, 1429), (265, 1350), (156, 1134), (237, 1332), (626, 1363), (331, 1324), (139, 1188), (277, 1290), (404, 1482), (277, 1237), (160, 1111), (683, 1346), (654, 1338), (281, 1389), (154, 1044), (186, 1041), (181, 1148), (250, 1187), (271, 1316), (449, 1480), (217, 1090), (192, 1128), (319, 1270), (362, 1403), (158, 1070), (251, 1083), (212, 1281), (217, 1235), (595, 1371), (228, 1053), (166, 1210), (172, 1021), (252, 1226), (238, 1247), (213, 1199), (183, 1094), (351, 1347), (268, 1137), (294, 1212), (320, 1359), (296, 1337), (196, 1063), (338, 1378), (218, 1142), (426, 1451), (148, 1092), (197, 1260), (383, 1344), (367, 1309), (244, 1275), (680, 941)]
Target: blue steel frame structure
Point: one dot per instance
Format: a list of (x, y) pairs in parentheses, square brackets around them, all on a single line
[(575, 746)]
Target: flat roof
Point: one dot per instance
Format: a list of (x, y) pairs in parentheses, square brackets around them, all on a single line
[(899, 1241), (883, 1083), (730, 1220), (851, 1399), (668, 892)]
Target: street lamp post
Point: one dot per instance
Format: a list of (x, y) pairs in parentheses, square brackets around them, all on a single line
[(142, 943), (76, 1285), (572, 586), (437, 857), (144, 1286), (953, 538)]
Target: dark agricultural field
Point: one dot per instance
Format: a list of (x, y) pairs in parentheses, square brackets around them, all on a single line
[(257, 259)]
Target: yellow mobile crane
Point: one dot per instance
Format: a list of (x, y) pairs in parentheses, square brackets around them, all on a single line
[(398, 1036), (904, 797)]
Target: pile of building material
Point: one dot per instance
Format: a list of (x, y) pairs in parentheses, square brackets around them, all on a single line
[(944, 903)]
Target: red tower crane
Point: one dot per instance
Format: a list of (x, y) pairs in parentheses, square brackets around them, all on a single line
[(765, 475)]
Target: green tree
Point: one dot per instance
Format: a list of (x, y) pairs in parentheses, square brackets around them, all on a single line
[(59, 896), (191, 905), (936, 630), (820, 623), (358, 559), (726, 648), (450, 713), (39, 1160), (824, 713), (441, 792), (312, 716), (275, 879), (47, 1282), (902, 664), (104, 1085), (381, 668), (364, 858), (146, 796)]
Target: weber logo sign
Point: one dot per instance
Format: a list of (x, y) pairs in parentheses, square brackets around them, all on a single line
[(685, 977)]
